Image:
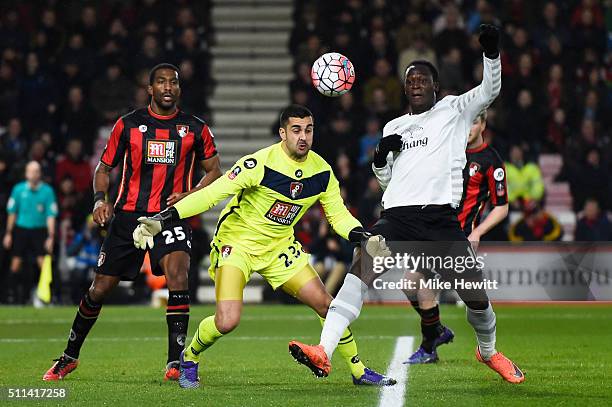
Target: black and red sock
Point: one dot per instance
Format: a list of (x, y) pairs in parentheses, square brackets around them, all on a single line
[(431, 327), (86, 317), (177, 318)]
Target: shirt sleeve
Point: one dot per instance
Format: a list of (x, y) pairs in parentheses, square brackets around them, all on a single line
[(205, 144), (496, 182), (12, 205), (51, 208), (471, 103), (338, 216), (115, 147), (241, 176)]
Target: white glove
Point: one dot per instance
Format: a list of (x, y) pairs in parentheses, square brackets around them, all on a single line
[(143, 234), (376, 246)]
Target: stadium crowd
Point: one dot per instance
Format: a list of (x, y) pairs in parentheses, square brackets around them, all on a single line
[(69, 69)]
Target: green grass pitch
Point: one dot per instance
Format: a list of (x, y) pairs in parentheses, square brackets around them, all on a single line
[(564, 351)]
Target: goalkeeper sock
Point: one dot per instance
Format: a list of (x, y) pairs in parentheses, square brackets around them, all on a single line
[(86, 317), (484, 324), (177, 319), (205, 336), (431, 327), (348, 349), (344, 309)]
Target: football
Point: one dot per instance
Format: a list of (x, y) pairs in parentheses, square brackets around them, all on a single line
[(333, 74)]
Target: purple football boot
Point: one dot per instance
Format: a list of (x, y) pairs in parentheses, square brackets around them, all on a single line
[(372, 378)]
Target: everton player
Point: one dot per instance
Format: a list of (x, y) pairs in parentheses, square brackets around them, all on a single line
[(158, 147), (272, 189), (484, 179), (420, 159)]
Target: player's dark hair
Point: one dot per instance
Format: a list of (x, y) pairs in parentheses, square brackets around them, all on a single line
[(294, 111), (429, 65), (164, 65)]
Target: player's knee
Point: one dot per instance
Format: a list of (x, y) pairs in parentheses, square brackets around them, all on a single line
[(177, 279), (226, 322), (98, 293)]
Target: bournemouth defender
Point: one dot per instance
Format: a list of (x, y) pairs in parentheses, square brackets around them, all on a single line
[(484, 179), (420, 202), (158, 147), (271, 189)]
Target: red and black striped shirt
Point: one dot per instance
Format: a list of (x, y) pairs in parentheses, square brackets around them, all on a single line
[(484, 178), (158, 155)]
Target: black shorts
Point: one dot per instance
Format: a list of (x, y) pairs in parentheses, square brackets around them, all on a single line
[(414, 229), (119, 257), (29, 242)]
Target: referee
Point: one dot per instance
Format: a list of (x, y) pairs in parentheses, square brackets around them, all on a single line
[(419, 161), (30, 229)]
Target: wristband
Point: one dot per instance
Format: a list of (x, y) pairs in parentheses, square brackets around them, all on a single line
[(99, 196)]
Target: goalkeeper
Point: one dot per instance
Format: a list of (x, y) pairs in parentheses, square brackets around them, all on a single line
[(271, 190)]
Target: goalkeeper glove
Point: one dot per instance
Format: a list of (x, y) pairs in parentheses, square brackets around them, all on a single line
[(374, 245), (489, 40), (385, 145), (151, 226)]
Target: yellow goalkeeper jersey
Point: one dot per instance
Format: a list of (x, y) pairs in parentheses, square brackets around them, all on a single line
[(271, 193)]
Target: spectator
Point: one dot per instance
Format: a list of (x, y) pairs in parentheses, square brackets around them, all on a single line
[(38, 94), (13, 140), (594, 225), (83, 254), (74, 164), (535, 225), (30, 230), (8, 92), (111, 93), (193, 94), (413, 29), (418, 49), (79, 120), (525, 181), (383, 79), (369, 141), (451, 72)]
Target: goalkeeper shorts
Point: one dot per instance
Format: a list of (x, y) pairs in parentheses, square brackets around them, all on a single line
[(276, 266)]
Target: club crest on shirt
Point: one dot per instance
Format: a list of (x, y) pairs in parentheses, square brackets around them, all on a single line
[(226, 251), (295, 189), (182, 130), (474, 167)]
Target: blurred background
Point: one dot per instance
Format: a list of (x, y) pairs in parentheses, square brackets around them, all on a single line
[(69, 69)]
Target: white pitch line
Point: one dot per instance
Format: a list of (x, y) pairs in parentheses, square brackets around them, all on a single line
[(393, 396)]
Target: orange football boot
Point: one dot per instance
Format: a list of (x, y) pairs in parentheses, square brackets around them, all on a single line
[(503, 366), (313, 357), (61, 368), (172, 372)]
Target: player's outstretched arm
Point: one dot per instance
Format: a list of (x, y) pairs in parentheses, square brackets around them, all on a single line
[(198, 202), (474, 101)]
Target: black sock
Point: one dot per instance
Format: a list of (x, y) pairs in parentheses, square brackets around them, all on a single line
[(431, 327), (86, 317), (177, 318), (417, 308)]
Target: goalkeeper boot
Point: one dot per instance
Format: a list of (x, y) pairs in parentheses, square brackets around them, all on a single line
[(372, 378), (313, 357), (421, 356), (503, 366), (188, 378), (172, 371), (60, 369)]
